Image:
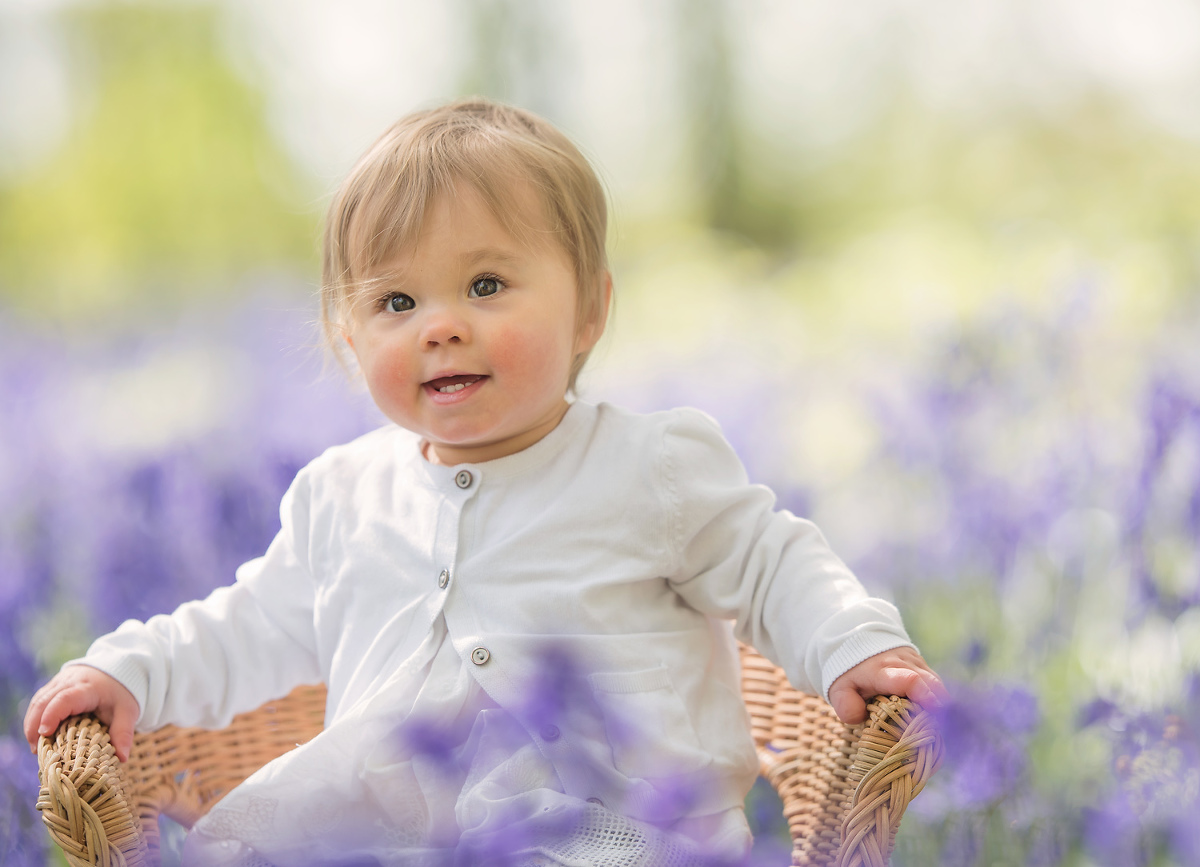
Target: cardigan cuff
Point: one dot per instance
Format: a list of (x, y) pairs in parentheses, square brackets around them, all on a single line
[(125, 670), (858, 646)]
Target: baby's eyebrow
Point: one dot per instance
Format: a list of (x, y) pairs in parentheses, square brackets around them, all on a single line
[(489, 254), (394, 275)]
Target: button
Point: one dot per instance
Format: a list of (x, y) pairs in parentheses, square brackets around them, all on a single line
[(595, 801), (550, 733), (444, 578), (480, 655), (463, 479)]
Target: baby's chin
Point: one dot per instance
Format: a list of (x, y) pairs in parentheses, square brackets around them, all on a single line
[(477, 451), (467, 451)]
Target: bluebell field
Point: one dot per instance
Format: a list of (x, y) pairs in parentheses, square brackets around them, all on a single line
[(1030, 499)]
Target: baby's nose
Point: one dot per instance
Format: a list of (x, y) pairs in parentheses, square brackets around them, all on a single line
[(444, 326)]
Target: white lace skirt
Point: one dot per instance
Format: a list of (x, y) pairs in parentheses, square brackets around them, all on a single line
[(424, 770)]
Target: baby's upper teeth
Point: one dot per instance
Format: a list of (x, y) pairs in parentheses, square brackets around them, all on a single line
[(448, 389)]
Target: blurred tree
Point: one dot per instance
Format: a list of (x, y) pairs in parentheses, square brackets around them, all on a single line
[(515, 53), (1012, 183), (729, 195), (1029, 195), (169, 182)]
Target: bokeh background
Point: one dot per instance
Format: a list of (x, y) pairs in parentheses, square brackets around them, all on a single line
[(934, 267)]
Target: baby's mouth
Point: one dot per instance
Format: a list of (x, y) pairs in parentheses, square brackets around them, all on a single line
[(451, 384)]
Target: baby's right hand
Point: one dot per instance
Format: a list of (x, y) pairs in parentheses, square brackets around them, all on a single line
[(83, 689)]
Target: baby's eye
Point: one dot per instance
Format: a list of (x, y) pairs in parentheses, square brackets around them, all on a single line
[(484, 287), (398, 303)]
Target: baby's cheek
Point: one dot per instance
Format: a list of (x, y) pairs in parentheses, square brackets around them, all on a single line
[(540, 354), (385, 370), (389, 375)]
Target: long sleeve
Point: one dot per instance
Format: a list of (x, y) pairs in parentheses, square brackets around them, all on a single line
[(245, 644), (734, 556)]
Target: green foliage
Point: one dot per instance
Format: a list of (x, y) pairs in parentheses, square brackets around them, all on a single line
[(169, 180), (1019, 191)]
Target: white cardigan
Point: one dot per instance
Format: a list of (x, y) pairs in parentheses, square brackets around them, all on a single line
[(626, 542)]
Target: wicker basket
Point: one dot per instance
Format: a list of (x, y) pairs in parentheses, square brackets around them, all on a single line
[(844, 788)]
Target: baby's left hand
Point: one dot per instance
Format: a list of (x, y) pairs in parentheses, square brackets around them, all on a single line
[(900, 671)]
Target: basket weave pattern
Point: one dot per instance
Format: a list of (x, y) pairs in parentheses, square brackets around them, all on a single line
[(844, 788), (101, 812)]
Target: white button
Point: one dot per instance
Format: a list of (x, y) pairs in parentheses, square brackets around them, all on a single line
[(550, 733), (463, 479), (480, 655), (444, 578), (595, 801)]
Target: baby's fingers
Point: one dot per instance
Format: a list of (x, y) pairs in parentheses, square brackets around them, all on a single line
[(849, 695), (847, 703), (82, 689), (919, 685), (935, 694), (896, 672), (120, 731), (35, 715), (65, 703)]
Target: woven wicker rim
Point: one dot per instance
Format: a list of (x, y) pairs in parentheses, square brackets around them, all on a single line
[(844, 788)]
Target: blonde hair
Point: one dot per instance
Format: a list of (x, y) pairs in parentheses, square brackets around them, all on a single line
[(499, 151)]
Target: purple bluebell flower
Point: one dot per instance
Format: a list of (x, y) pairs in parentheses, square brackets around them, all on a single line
[(1098, 710), (992, 425), (1150, 809), (23, 839), (559, 685), (986, 731), (974, 653), (1111, 833), (434, 740)]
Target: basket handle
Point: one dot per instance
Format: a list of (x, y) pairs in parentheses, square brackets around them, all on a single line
[(84, 798), (897, 753)]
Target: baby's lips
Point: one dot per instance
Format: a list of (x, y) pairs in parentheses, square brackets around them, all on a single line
[(457, 379)]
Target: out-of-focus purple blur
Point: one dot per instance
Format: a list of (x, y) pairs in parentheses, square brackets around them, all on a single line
[(933, 269)]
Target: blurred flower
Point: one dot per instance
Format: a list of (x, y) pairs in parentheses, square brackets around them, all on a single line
[(1009, 495), (986, 729), (1111, 833), (1154, 802), (1165, 502), (23, 839), (558, 686)]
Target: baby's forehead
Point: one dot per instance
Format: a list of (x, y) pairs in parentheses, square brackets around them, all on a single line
[(477, 225), (469, 260)]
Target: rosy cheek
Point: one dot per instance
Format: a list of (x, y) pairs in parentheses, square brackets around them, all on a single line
[(521, 351), (387, 368)]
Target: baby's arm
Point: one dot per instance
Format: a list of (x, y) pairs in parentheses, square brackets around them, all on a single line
[(210, 659), (900, 671), (83, 689), (793, 599)]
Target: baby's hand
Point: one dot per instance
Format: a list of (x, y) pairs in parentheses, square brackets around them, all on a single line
[(82, 689), (901, 672)]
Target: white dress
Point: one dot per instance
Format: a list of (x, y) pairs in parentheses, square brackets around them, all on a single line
[(427, 598), (428, 770)]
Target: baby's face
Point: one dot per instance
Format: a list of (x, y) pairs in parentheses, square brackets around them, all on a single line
[(467, 338)]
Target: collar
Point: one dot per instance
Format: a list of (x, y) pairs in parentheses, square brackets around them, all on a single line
[(577, 418)]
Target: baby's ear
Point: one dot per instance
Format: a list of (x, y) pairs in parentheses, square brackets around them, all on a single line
[(593, 329)]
